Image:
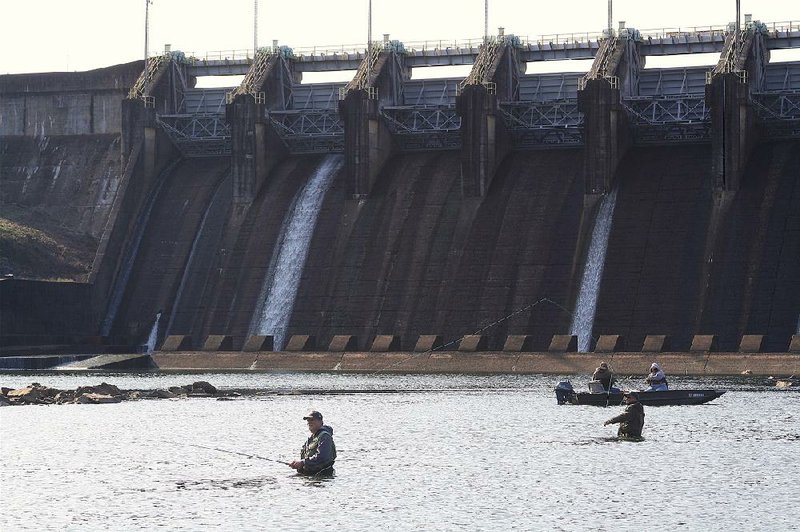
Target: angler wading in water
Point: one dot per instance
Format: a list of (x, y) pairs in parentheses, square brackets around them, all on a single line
[(319, 452), (631, 421)]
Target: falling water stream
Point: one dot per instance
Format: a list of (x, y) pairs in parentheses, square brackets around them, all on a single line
[(583, 319), (152, 338), (280, 287)]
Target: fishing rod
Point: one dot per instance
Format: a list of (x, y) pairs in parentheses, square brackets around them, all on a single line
[(315, 475), (480, 330), (235, 452)]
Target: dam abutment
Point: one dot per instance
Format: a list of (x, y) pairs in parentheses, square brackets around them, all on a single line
[(484, 139), (730, 88), (255, 145), (368, 142), (604, 131), (733, 128)]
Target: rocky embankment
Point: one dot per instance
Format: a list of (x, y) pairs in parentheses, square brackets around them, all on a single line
[(36, 394)]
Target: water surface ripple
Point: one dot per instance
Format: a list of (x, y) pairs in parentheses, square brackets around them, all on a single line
[(459, 453)]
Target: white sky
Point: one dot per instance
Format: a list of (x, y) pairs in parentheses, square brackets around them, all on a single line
[(70, 35)]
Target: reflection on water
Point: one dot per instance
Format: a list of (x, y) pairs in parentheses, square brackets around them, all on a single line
[(442, 453), (224, 484)]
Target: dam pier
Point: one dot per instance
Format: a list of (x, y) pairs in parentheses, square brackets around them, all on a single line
[(506, 221)]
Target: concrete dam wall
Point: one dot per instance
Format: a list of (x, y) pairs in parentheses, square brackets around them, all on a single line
[(222, 292), (754, 276), (684, 259), (417, 258), (183, 196)]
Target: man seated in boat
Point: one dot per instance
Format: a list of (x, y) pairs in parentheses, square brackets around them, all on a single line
[(319, 451), (604, 375), (656, 379), (631, 421)]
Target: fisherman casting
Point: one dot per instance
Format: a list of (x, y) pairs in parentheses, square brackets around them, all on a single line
[(631, 420), (319, 452)]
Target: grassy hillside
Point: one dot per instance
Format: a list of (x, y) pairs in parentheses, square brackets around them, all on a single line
[(33, 247)]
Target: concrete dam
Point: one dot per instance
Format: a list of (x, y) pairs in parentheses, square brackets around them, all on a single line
[(624, 209)]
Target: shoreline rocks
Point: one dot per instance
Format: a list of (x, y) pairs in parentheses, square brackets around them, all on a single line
[(104, 393)]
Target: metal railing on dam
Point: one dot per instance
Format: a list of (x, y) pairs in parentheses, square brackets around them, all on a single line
[(446, 52), (539, 110), (668, 106)]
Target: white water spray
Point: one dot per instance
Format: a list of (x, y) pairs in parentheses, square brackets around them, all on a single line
[(583, 319), (153, 337), (280, 288)]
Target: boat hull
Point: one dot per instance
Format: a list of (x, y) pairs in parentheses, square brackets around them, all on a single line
[(668, 398)]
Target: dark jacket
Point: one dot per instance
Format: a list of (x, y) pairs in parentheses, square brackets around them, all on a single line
[(319, 451), (604, 376), (630, 421)]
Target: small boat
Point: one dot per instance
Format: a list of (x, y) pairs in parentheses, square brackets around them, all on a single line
[(565, 394)]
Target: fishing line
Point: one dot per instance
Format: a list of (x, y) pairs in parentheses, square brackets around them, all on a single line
[(489, 326), (326, 471), (233, 452)]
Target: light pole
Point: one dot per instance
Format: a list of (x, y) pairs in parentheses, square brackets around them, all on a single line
[(486, 21), (146, 29), (610, 18), (736, 36), (369, 43), (255, 29)]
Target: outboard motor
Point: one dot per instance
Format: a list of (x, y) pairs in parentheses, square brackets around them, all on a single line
[(564, 392)]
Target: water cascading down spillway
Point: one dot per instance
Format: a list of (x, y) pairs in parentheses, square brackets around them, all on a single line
[(583, 318), (280, 286), (153, 336)]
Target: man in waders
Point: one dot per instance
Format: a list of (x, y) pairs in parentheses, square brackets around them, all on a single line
[(319, 451), (631, 420)]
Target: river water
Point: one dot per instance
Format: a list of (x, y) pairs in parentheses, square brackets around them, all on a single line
[(415, 453)]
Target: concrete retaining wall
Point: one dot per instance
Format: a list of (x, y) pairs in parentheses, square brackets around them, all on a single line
[(41, 312), (690, 364), (65, 103), (71, 181)]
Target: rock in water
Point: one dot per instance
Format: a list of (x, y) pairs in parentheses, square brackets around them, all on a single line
[(160, 394), (98, 398), (203, 387), (102, 389), (33, 394)]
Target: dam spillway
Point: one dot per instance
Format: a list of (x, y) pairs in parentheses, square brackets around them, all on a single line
[(586, 304), (280, 289), (460, 201)]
